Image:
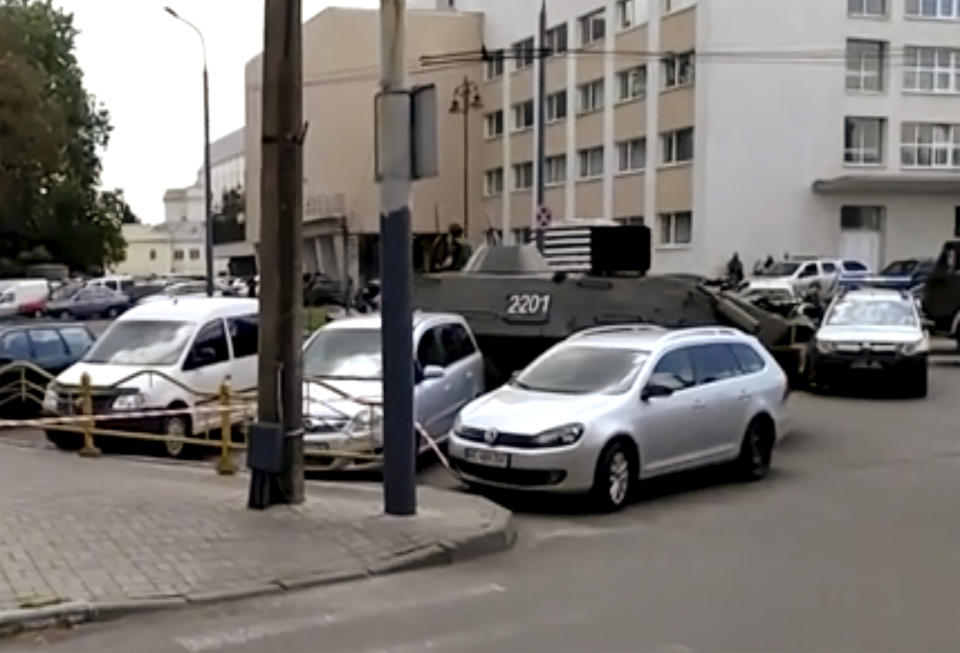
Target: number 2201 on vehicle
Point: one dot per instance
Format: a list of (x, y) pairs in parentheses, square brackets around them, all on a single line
[(528, 307)]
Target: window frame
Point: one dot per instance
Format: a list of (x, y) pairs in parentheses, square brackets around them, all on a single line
[(670, 146), (670, 239), (592, 91), (524, 52), (858, 70), (496, 119), (920, 14), (673, 67), (552, 103), (495, 65), (916, 69), (865, 4), (520, 172), (558, 32), (587, 26), (497, 175), (626, 83), (949, 145), (520, 109), (856, 151), (550, 166), (586, 155), (626, 151), (626, 19)]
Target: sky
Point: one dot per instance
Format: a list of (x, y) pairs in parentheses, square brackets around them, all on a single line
[(146, 68)]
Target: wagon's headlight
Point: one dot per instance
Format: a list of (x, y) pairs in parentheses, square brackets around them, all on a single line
[(825, 346), (132, 401), (560, 436), (365, 423), (916, 347), (50, 398)]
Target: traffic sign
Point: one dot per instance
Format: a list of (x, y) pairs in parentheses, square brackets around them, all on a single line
[(544, 217)]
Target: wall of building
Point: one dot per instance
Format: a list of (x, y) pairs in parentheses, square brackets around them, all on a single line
[(148, 251)]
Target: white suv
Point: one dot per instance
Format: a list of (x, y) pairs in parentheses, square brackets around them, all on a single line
[(613, 405)]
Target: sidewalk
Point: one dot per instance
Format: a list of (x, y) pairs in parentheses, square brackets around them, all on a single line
[(82, 538)]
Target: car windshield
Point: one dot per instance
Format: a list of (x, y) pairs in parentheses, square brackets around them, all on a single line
[(781, 269), (872, 313), (340, 353), (135, 342), (582, 370), (898, 268)]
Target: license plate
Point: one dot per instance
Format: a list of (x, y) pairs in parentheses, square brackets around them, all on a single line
[(866, 365), (320, 446), (487, 457), (527, 307)]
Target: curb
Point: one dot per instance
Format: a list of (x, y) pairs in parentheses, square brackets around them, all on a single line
[(499, 535)]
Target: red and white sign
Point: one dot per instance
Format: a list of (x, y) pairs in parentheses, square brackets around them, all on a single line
[(544, 217)]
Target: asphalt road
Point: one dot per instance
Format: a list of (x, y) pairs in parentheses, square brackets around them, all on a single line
[(851, 544)]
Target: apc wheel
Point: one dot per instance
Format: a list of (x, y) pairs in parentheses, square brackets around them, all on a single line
[(177, 426), (756, 451), (613, 480)]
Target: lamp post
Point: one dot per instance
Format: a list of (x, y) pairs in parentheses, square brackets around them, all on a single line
[(466, 96), (207, 195)]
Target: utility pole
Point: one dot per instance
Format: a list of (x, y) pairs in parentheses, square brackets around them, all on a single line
[(466, 96), (399, 458), (541, 115), (280, 392)]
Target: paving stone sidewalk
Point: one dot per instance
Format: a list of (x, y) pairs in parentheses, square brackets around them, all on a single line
[(111, 534)]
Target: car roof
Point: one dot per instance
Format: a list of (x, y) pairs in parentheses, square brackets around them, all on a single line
[(373, 321), (647, 337), (33, 323), (192, 309), (875, 294)]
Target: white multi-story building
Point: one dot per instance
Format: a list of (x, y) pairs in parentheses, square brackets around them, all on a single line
[(827, 127)]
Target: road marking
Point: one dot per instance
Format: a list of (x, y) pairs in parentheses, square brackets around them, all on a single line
[(575, 531), (242, 635)]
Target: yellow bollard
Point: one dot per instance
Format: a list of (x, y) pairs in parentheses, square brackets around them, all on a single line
[(225, 465), (89, 449)]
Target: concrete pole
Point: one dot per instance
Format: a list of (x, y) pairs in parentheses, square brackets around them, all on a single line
[(280, 393), (207, 193), (399, 457)]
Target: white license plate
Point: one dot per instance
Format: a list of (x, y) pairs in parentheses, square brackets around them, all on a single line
[(487, 457), (866, 365)]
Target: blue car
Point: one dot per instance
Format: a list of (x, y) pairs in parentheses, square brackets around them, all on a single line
[(905, 274), (51, 346)]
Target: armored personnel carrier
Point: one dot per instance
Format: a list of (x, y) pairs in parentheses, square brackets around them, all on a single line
[(519, 302)]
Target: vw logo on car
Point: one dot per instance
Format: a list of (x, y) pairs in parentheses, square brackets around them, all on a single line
[(490, 436)]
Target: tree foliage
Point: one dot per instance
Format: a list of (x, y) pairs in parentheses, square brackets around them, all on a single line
[(52, 132)]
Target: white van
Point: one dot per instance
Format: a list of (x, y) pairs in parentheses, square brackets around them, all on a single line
[(196, 342), (26, 296), (118, 283)]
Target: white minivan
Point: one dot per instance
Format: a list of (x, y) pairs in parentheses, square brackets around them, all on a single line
[(23, 296), (178, 352)]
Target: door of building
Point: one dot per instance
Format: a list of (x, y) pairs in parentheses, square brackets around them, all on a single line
[(861, 234)]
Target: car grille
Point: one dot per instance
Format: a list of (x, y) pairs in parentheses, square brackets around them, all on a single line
[(70, 401), (521, 477), (875, 349), (503, 439)]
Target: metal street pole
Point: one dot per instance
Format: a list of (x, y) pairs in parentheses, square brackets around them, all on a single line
[(541, 113), (399, 451), (207, 195), (280, 383), (466, 96)]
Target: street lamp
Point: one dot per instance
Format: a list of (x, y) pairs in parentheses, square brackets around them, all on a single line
[(208, 223), (466, 96)]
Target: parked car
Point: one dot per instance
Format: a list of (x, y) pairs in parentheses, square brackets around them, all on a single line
[(181, 289), (342, 370), (941, 299), (804, 275), (906, 274), (89, 303), (871, 330), (23, 296), (195, 342), (52, 347), (610, 406), (319, 289), (118, 283)]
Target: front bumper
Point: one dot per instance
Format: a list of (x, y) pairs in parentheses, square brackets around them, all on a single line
[(838, 362), (554, 469)]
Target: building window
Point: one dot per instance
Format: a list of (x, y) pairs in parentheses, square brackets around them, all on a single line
[(591, 96), (632, 154), (494, 67), (940, 9), (555, 40), (630, 220), (591, 162), (670, 6), (523, 115), (929, 145), (523, 51), (931, 70), (861, 218), (863, 140), (194, 254), (153, 255), (555, 169), (678, 70), (626, 16), (556, 106), (675, 228), (523, 175), (862, 8), (632, 83), (493, 124), (677, 146), (493, 182), (592, 27), (865, 65), (178, 255)]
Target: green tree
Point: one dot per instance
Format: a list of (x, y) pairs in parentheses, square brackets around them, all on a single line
[(52, 132)]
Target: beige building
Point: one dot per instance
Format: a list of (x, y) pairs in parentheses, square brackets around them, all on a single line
[(703, 120), (169, 248)]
